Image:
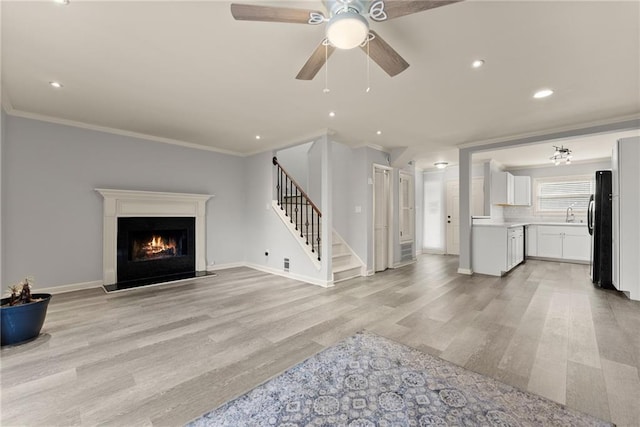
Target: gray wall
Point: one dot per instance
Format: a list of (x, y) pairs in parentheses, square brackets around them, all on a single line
[(295, 160), (314, 181), (2, 183), (52, 217), (342, 188)]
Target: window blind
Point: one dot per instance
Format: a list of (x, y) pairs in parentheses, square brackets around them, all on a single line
[(558, 194)]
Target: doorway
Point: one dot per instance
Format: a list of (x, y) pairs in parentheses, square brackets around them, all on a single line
[(382, 218), (453, 209)]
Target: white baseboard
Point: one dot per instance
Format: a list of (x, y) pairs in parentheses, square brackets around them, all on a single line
[(466, 271), (69, 288), (225, 266), (98, 283), (306, 279), (405, 263), (433, 251), (370, 272)]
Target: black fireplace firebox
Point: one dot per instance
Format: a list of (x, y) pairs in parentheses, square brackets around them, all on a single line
[(154, 249)]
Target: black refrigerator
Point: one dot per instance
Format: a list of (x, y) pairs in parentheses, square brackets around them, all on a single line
[(599, 222)]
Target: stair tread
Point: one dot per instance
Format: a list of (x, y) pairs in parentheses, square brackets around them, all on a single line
[(342, 268)]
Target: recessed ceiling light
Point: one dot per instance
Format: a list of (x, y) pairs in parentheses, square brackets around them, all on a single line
[(63, 2), (379, 132), (477, 63), (57, 85), (543, 93), (332, 114), (257, 136), (440, 165)]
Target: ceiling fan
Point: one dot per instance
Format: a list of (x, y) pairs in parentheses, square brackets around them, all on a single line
[(347, 27)]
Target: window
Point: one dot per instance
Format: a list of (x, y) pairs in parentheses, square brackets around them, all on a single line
[(555, 195)]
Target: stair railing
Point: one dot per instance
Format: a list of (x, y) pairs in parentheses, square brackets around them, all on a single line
[(297, 205)]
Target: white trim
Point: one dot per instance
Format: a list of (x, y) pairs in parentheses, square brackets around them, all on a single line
[(120, 132), (289, 275), (547, 165), (466, 271), (433, 251), (404, 263), (551, 134), (132, 203), (216, 267), (70, 287)]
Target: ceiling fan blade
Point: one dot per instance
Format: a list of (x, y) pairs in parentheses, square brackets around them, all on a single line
[(384, 55), (315, 62), (396, 8), (248, 12)]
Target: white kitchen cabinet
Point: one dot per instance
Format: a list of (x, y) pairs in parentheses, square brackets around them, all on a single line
[(570, 243), (507, 189), (496, 249), (531, 231), (522, 190), (502, 188), (515, 246)]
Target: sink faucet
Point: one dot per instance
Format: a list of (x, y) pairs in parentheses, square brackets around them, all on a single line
[(570, 216)]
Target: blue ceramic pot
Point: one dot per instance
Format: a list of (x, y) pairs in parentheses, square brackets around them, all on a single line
[(23, 322)]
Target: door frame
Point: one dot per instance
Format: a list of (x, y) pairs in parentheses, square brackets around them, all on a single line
[(474, 180), (390, 216)]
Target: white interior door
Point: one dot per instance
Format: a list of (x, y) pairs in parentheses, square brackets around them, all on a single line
[(381, 218), (453, 209), (453, 218)]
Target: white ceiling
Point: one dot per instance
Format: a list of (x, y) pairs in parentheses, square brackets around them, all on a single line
[(187, 71)]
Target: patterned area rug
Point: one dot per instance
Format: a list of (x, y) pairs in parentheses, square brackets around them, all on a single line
[(367, 380)]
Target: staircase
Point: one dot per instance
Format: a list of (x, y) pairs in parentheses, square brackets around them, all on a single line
[(303, 219), (345, 264)]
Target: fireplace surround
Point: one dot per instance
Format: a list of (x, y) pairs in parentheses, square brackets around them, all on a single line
[(171, 214)]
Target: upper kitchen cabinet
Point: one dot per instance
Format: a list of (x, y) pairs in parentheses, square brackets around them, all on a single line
[(522, 190), (502, 188), (507, 189)]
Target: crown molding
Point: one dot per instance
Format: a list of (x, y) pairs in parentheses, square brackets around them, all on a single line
[(81, 125), (547, 165), (610, 125)]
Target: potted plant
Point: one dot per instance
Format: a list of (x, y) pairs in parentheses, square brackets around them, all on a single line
[(22, 313)]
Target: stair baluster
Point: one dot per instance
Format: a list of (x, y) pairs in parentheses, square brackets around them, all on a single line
[(295, 202)]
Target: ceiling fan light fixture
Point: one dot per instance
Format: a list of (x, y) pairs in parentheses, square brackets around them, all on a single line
[(347, 30), (440, 165)]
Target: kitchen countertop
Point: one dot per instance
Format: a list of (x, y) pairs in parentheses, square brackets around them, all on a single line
[(521, 224)]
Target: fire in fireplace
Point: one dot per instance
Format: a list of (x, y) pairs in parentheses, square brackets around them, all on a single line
[(161, 244), (152, 249)]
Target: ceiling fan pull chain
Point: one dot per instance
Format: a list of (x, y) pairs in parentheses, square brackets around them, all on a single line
[(368, 62), (326, 66)]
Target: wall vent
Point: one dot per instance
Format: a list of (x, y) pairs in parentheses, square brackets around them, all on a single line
[(406, 252), (286, 264)]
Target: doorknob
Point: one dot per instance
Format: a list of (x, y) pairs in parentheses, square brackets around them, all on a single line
[(448, 222), (449, 216)]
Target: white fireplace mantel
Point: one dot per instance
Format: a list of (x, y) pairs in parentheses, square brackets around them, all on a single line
[(131, 203)]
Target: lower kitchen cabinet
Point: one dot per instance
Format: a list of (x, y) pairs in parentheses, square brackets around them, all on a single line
[(570, 243), (496, 249)]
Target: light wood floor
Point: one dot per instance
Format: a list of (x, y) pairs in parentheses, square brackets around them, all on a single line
[(165, 355)]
